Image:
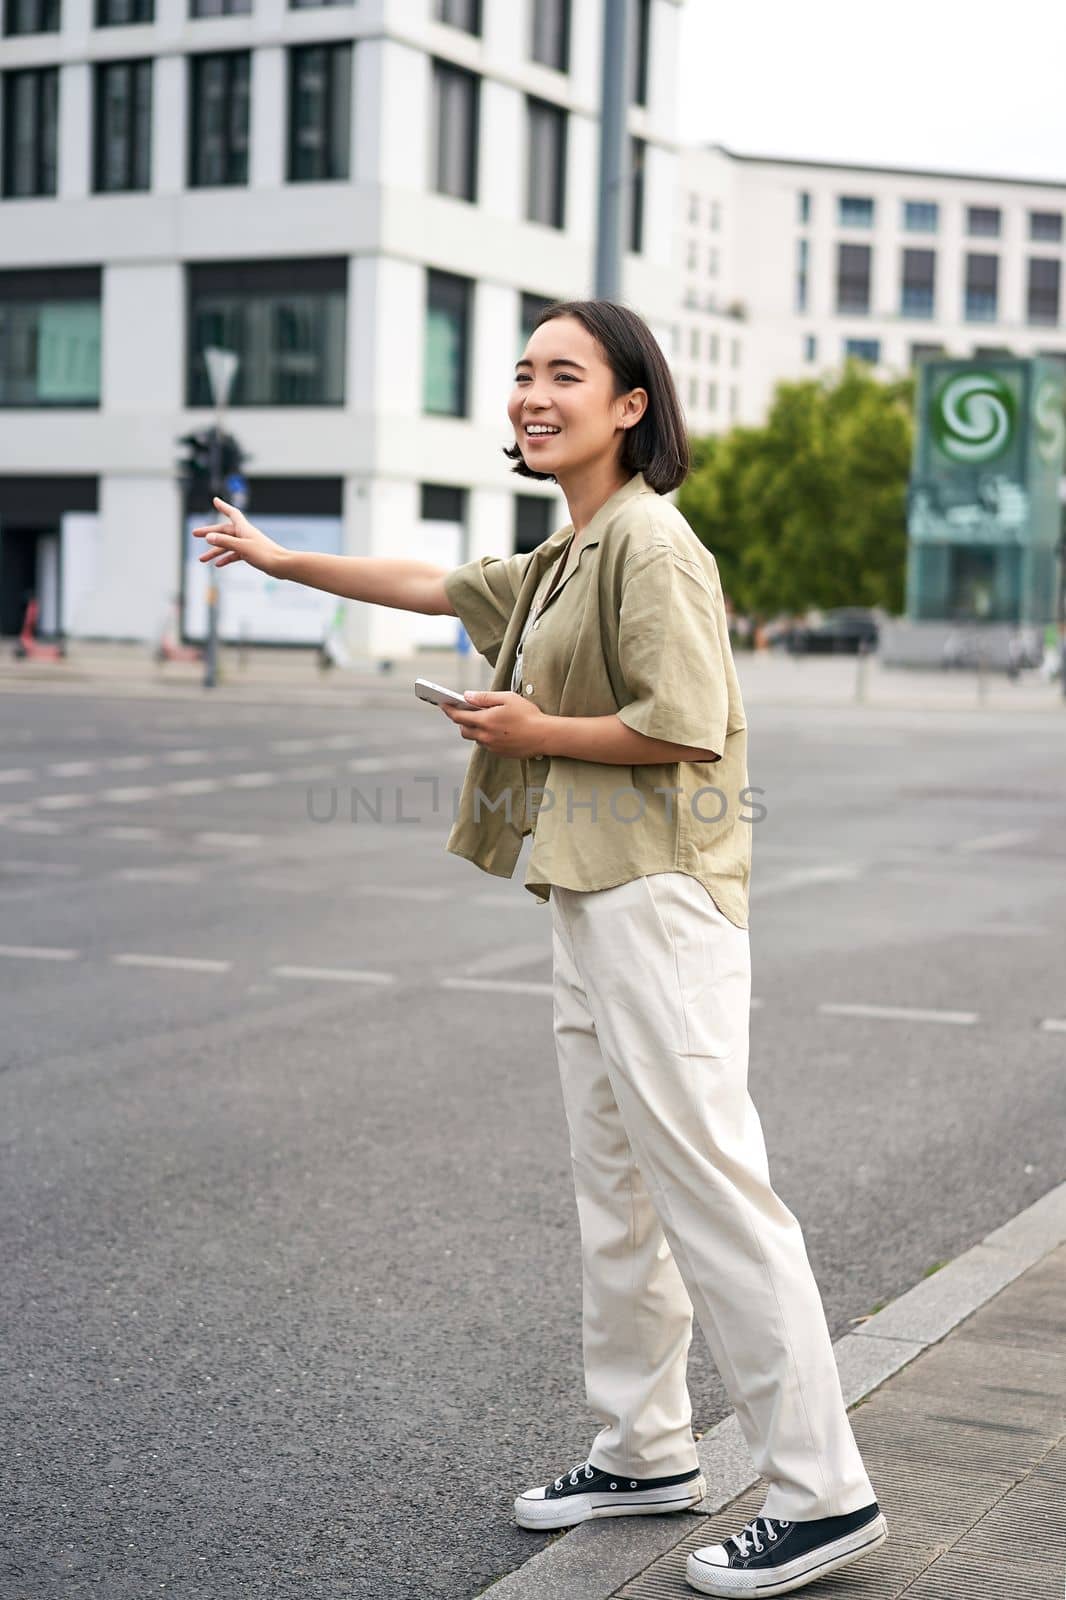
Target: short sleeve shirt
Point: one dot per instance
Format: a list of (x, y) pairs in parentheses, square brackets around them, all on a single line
[(636, 628)]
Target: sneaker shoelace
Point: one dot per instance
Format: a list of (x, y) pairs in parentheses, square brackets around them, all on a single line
[(741, 1539), (582, 1466)]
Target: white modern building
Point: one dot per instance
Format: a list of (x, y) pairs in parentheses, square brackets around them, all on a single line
[(368, 201), (787, 267)]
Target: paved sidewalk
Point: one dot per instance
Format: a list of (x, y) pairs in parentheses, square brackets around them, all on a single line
[(260, 674), (958, 1396)]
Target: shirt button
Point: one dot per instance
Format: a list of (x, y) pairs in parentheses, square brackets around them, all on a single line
[(529, 688)]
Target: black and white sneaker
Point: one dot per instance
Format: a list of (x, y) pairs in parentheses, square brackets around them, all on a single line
[(587, 1492), (771, 1556)]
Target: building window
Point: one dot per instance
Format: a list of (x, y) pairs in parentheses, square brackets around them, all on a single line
[(853, 277), (693, 255), (694, 344), (734, 353), (1042, 293), (447, 346), (31, 115), (918, 285), (712, 397), (693, 208), (982, 288), (863, 350), (712, 346), (921, 216), (312, 5), (803, 207), (918, 352), (532, 521), (465, 14), (456, 110), (803, 251), (531, 308), (810, 347), (219, 8), (31, 16), (638, 154), (218, 119), (122, 158), (120, 13), (285, 319), (320, 97), (693, 392), (50, 337), (550, 44), (712, 263), (855, 211), (639, 42), (546, 169), (1045, 227), (734, 403), (983, 221), (716, 216)]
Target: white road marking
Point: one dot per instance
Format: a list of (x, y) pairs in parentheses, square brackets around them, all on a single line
[(17, 775), (38, 952), (292, 746), (899, 1013), (127, 763), (997, 841), (182, 963), (37, 825), (305, 775), (70, 769), (1053, 1025), (492, 986), (253, 780), (367, 764), (186, 758), (43, 869), (64, 802), (129, 834), (334, 974), (128, 796), (806, 878), (191, 786), (159, 874), (242, 841), (384, 891), (998, 930)]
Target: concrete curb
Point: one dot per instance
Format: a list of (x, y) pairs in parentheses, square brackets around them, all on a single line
[(594, 1559)]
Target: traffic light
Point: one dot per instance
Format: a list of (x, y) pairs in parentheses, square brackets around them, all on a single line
[(231, 458), (194, 467)]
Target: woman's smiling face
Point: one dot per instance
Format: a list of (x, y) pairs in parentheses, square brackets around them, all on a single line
[(563, 381)]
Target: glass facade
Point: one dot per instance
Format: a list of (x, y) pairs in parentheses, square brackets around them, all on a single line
[(550, 42), (447, 344), (31, 128), (465, 14), (122, 154), (219, 117), (918, 285), (286, 321), (982, 288), (983, 221), (31, 16), (1043, 291), (855, 211), (50, 338), (853, 278), (546, 169), (121, 13), (320, 98), (863, 350), (456, 95), (920, 216)]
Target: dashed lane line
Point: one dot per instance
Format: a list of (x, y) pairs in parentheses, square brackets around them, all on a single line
[(1053, 1025), (129, 833), (899, 1013), (334, 974), (39, 952), (179, 963), (493, 986), (997, 841)]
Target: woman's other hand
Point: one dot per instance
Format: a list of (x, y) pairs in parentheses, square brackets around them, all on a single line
[(504, 723), (238, 540)]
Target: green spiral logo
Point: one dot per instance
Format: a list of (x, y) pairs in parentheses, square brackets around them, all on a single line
[(973, 417), (1050, 423)]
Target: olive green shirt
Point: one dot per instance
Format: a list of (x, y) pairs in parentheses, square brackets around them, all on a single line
[(637, 628)]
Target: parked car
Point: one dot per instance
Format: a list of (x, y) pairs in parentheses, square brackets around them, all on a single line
[(845, 630)]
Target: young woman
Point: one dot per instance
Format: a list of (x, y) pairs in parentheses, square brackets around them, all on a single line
[(614, 732)]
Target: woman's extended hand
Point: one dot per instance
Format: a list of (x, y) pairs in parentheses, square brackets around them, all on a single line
[(237, 540), (506, 724)]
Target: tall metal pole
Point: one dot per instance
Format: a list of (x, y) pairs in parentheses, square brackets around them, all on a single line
[(614, 197), (221, 370)]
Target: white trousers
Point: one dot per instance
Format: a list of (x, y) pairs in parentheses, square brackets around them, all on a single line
[(652, 994)]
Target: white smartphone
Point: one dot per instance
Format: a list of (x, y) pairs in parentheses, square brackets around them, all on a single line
[(439, 696)]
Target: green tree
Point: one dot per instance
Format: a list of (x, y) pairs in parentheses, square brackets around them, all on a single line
[(810, 509)]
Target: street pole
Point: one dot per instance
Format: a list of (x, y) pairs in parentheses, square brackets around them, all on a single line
[(221, 370), (614, 197)]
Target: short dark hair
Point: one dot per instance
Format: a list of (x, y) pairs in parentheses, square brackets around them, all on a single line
[(657, 445)]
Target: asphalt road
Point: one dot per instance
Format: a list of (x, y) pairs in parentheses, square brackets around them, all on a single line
[(291, 1277)]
